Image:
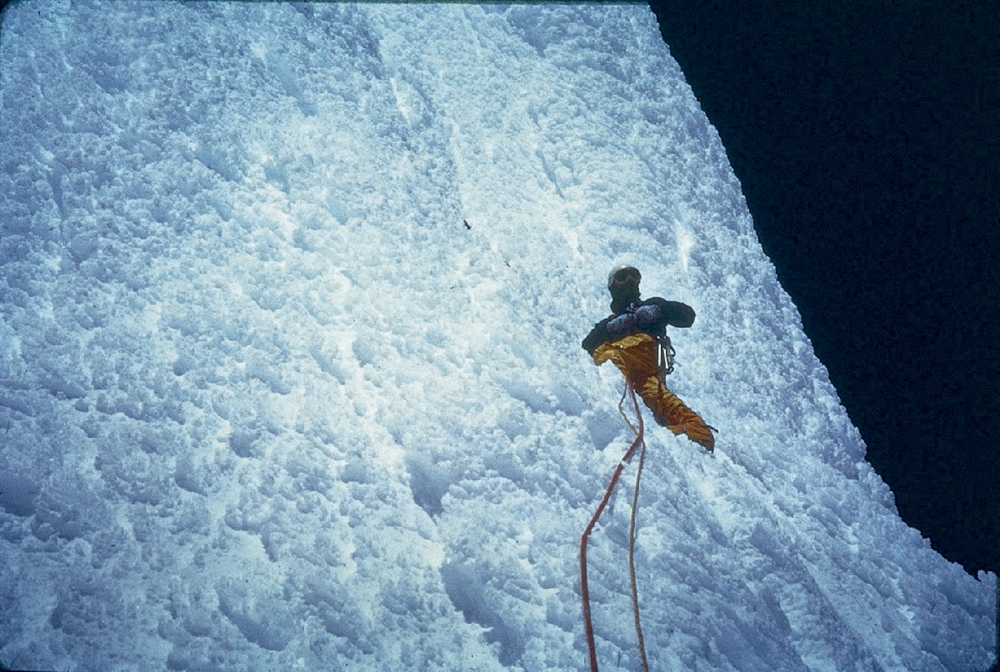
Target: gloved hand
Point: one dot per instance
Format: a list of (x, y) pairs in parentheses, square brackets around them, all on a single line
[(634, 320)]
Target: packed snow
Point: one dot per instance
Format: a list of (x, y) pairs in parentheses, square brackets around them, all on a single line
[(291, 301)]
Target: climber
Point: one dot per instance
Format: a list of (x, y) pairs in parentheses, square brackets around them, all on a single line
[(634, 337)]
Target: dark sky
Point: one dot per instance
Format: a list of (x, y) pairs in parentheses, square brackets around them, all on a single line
[(866, 136)]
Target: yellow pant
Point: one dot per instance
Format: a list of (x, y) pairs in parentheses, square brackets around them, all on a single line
[(636, 357)]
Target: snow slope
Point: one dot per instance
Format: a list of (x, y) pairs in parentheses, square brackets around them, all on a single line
[(291, 298)]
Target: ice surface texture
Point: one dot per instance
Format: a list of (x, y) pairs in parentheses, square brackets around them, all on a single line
[(266, 402)]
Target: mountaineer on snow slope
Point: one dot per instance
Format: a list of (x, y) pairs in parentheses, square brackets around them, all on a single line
[(634, 337)]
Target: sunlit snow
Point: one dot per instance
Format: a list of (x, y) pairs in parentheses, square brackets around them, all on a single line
[(291, 301)]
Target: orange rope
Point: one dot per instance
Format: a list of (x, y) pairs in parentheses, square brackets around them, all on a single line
[(584, 587), (631, 552)]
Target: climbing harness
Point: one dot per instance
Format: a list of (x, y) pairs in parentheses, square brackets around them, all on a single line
[(638, 442)]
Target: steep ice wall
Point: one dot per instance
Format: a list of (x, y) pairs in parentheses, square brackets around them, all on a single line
[(291, 298)]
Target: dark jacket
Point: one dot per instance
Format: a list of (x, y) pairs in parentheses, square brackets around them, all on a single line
[(650, 316)]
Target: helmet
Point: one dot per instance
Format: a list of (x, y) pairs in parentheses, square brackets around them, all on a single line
[(623, 275)]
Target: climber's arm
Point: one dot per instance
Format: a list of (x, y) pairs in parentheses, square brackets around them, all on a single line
[(673, 313)]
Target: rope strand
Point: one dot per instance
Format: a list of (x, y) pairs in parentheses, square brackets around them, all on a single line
[(631, 539), (584, 586)]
